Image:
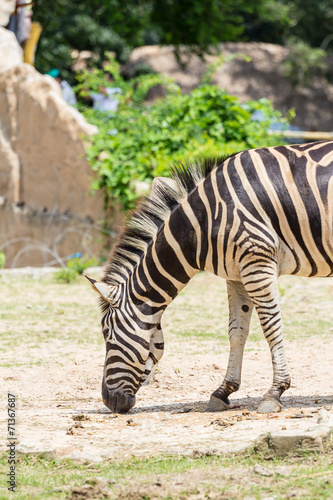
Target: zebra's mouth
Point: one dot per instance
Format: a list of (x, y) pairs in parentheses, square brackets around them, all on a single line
[(117, 401)]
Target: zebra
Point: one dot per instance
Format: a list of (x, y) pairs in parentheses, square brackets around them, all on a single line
[(247, 218)]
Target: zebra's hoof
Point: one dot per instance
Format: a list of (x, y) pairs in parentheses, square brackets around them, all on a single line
[(269, 405), (216, 404)]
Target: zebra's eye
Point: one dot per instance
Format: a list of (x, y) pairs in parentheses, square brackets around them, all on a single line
[(105, 332)]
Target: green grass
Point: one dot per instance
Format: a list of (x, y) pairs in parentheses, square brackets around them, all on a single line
[(307, 476), (36, 313)]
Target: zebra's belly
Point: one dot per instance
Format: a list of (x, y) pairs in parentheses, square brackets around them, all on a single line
[(309, 259)]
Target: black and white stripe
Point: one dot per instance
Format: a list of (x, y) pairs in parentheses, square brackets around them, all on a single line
[(249, 219)]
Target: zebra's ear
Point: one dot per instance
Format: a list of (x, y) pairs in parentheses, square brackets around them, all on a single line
[(106, 291)]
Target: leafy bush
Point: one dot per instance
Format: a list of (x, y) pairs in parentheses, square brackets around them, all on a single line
[(304, 62), (65, 275), (140, 142), (2, 260), (75, 266), (79, 264)]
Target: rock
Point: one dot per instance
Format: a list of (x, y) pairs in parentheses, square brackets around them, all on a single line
[(89, 491), (6, 9), (283, 442), (263, 471), (261, 443), (261, 77), (35, 448), (323, 416), (11, 52), (45, 178), (84, 456), (81, 417)]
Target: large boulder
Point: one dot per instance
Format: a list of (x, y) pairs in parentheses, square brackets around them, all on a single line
[(7, 7), (45, 178), (261, 77), (11, 54)]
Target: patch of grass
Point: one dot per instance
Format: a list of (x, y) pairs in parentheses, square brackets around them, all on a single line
[(79, 264), (306, 475), (66, 275), (2, 260), (43, 315)]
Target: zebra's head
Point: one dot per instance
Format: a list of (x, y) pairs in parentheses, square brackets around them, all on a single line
[(133, 347)]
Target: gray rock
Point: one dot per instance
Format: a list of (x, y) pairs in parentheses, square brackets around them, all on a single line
[(11, 52), (283, 442), (323, 416), (34, 448), (263, 471), (83, 456)]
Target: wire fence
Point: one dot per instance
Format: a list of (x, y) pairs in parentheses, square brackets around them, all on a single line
[(85, 232)]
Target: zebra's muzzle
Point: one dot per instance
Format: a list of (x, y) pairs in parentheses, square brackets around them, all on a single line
[(117, 401)]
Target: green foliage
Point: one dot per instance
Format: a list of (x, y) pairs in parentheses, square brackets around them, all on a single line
[(66, 275), (197, 25), (79, 264), (139, 142), (304, 62), (311, 21), (75, 266), (192, 26), (77, 25), (2, 260)]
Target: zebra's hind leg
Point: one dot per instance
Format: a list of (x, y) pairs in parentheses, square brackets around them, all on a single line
[(263, 290), (240, 309)]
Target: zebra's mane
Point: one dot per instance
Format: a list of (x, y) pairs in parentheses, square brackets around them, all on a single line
[(143, 224)]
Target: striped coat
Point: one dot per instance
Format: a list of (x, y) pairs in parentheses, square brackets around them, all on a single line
[(249, 218)]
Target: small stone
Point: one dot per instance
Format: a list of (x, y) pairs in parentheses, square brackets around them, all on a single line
[(263, 471), (131, 422), (82, 456), (261, 443), (81, 417), (74, 429), (323, 416), (33, 448)]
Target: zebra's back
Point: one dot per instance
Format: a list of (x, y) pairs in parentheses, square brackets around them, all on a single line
[(283, 193)]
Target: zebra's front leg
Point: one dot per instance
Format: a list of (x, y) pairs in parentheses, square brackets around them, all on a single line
[(264, 292), (240, 309)]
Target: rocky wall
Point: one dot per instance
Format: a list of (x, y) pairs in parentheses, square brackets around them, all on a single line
[(260, 77), (45, 179)]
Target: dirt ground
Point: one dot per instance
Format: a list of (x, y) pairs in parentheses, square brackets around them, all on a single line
[(60, 410)]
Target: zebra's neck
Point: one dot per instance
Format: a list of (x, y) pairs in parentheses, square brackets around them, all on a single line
[(171, 259), (169, 238)]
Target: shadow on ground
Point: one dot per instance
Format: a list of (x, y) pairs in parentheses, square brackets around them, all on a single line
[(241, 404)]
